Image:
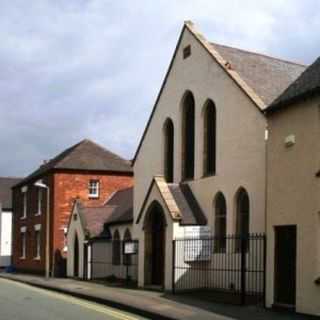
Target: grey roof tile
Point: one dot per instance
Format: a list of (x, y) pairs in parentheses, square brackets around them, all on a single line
[(306, 85), (85, 155), (188, 205), (266, 75)]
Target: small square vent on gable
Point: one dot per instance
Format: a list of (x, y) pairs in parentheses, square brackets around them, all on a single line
[(187, 51)]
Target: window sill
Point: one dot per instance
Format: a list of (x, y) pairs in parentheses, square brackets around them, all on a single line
[(93, 197), (36, 258), (23, 218), (187, 180), (22, 258), (208, 175), (37, 214)]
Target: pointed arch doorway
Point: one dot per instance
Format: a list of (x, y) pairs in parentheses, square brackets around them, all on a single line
[(155, 242)]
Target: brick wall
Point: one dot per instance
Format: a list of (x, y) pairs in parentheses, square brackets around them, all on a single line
[(65, 188), (29, 264), (69, 186)]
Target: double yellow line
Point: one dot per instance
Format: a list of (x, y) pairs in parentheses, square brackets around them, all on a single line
[(76, 301)]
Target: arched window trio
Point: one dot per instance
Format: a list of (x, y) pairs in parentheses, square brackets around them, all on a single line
[(209, 164), (188, 140), (116, 247), (242, 219)]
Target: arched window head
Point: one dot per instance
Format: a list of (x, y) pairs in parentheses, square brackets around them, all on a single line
[(209, 139), (220, 222), (116, 248), (188, 136), (168, 150), (243, 216)]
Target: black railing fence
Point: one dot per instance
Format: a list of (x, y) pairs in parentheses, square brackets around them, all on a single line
[(114, 260), (228, 269)]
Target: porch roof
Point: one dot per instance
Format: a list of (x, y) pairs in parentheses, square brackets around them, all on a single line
[(180, 201)]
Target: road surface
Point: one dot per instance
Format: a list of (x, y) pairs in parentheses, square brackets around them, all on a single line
[(22, 302)]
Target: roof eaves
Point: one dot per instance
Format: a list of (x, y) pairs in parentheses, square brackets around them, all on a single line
[(286, 103), (225, 66), (233, 74), (158, 96)]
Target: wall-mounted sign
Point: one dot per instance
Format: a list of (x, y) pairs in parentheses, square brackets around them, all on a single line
[(197, 243), (130, 247)]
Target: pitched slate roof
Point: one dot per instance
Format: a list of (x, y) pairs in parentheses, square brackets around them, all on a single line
[(93, 219), (266, 75), (85, 155), (117, 210), (122, 202), (180, 201), (188, 205), (260, 77), (6, 183), (306, 85)]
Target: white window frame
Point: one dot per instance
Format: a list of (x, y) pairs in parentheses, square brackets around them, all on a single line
[(25, 202), (65, 239), (96, 188), (23, 234), (37, 229), (40, 197)]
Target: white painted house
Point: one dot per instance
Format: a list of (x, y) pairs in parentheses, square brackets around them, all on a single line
[(96, 237), (6, 219)]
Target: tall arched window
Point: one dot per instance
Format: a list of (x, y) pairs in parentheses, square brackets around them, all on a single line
[(209, 141), (127, 258), (168, 150), (116, 249), (188, 139), (243, 216), (220, 223)]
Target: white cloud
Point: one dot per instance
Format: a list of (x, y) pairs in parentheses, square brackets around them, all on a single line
[(77, 68)]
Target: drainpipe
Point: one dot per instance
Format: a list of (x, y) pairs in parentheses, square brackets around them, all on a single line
[(40, 184)]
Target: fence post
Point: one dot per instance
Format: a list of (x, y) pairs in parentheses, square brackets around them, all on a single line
[(244, 240), (173, 266), (264, 269)]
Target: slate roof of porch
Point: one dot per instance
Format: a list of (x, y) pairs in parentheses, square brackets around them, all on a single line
[(118, 209), (180, 201)]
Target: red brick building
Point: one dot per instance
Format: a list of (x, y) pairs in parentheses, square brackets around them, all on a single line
[(86, 171)]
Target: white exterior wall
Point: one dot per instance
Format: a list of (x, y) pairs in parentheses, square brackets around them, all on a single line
[(240, 147), (155, 195), (5, 237), (293, 197), (75, 228), (99, 253)]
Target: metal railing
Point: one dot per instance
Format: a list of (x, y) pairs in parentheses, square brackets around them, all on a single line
[(109, 261), (228, 269)]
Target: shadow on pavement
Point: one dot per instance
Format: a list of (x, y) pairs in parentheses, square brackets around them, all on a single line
[(251, 312)]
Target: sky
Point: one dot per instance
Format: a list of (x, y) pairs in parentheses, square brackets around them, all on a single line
[(77, 69)]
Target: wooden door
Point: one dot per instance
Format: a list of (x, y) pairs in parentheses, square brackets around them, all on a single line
[(158, 248), (285, 266), (76, 258)]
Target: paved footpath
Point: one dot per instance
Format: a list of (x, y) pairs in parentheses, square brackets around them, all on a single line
[(150, 304), (19, 301)]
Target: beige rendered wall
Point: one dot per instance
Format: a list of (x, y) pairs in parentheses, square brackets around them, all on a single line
[(240, 137), (293, 197), (155, 195)]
